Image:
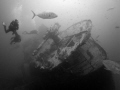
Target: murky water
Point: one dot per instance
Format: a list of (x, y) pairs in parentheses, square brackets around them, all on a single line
[(104, 14)]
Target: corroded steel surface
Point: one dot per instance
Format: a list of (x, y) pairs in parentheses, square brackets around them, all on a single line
[(77, 51)]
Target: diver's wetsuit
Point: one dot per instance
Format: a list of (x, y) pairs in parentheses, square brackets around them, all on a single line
[(12, 27)]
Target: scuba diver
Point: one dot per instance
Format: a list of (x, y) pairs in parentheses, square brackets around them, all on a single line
[(13, 27)]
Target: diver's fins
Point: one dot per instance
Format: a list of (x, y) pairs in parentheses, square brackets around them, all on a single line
[(33, 14)]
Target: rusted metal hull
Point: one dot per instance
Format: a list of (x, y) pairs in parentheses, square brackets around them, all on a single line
[(77, 51)]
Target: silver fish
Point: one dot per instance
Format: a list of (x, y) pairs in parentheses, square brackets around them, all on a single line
[(45, 15), (112, 66)]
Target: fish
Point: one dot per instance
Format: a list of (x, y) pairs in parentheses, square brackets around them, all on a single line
[(45, 15), (117, 27), (112, 66), (110, 9)]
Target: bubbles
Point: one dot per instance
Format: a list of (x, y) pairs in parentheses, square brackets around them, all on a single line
[(17, 12)]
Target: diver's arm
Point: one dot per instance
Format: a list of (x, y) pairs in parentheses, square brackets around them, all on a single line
[(11, 26), (4, 25)]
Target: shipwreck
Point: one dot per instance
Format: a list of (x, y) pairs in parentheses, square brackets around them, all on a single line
[(70, 59), (74, 50)]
